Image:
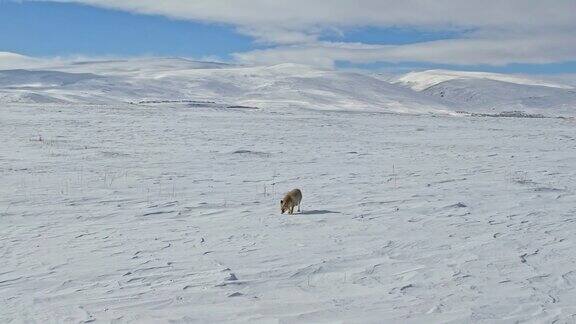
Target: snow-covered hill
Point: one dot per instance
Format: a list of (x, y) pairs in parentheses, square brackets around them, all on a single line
[(19, 79), (423, 80), (10, 60), (283, 86), (171, 80), (492, 92)]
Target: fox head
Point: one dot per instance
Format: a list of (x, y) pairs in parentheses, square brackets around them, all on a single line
[(284, 205)]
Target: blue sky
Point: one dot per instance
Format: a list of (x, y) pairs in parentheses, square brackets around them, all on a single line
[(58, 29), (128, 28)]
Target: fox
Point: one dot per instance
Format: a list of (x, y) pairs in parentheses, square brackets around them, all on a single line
[(291, 200)]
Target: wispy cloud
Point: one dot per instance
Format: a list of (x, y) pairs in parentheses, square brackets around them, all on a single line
[(539, 49)]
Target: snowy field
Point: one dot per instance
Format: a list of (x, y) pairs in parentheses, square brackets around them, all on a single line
[(171, 214)]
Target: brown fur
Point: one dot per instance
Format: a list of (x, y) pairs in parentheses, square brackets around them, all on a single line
[(291, 200)]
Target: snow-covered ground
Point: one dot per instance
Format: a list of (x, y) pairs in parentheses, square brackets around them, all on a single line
[(143, 213)]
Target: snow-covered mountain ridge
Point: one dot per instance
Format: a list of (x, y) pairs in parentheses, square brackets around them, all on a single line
[(480, 92), (423, 80), (282, 86)]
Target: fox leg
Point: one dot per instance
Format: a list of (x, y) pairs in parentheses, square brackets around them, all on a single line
[(291, 210), (299, 209)]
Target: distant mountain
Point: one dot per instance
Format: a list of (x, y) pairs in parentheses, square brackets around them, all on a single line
[(40, 79), (154, 81), (491, 92), (180, 80)]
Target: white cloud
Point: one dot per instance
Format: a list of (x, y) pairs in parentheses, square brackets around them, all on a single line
[(539, 49), (310, 16), (503, 31)]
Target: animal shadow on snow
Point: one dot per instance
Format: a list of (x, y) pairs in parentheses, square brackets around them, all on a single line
[(318, 212)]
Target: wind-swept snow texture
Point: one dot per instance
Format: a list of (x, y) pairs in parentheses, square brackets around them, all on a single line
[(151, 214)]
